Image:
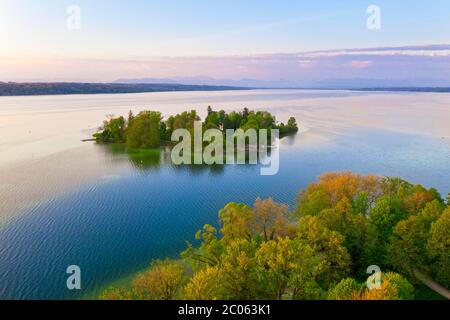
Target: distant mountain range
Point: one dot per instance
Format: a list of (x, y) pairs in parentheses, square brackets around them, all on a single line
[(355, 83)]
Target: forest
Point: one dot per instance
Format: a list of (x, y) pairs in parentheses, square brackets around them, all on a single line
[(321, 249), (62, 88)]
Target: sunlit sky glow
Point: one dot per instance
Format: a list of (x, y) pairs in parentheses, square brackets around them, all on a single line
[(232, 39)]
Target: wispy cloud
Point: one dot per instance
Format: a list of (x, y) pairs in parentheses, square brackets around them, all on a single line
[(396, 63)]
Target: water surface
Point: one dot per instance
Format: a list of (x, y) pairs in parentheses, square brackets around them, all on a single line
[(111, 212)]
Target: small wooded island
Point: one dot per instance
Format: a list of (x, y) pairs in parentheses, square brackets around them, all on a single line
[(148, 129)]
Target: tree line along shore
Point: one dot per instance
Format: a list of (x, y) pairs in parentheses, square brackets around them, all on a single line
[(69, 88)]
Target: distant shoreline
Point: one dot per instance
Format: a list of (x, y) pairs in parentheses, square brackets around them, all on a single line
[(13, 89)]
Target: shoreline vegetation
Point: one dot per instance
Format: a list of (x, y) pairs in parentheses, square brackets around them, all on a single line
[(148, 129), (9, 89), (70, 88), (342, 224)]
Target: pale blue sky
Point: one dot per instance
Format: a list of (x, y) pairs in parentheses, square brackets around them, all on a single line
[(205, 27), (139, 29)]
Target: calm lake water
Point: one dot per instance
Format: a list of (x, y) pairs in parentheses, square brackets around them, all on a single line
[(109, 211)]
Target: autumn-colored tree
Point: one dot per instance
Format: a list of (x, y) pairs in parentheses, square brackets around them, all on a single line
[(270, 219), (412, 198), (161, 282), (347, 222), (206, 284), (116, 294), (405, 290), (418, 199), (346, 289), (385, 292), (393, 287), (333, 187)]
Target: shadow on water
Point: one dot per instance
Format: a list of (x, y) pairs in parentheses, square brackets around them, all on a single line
[(153, 159), (140, 159)]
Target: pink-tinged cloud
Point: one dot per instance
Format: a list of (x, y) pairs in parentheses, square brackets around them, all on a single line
[(306, 64), (360, 63), (418, 65)]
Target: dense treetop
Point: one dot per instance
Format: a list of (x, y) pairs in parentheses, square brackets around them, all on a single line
[(148, 129), (341, 225)]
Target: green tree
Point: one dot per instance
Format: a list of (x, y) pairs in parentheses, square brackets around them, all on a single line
[(287, 266), (240, 277), (292, 124), (361, 204), (113, 130), (407, 248), (405, 290), (345, 290), (384, 217), (212, 120), (328, 246), (144, 130), (233, 121), (245, 114), (185, 120), (210, 250), (359, 236), (393, 287), (291, 127), (235, 222), (312, 202), (439, 248), (130, 116)]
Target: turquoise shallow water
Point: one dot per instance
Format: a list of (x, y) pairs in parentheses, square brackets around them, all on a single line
[(135, 207)]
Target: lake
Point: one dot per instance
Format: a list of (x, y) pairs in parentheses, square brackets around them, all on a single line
[(109, 211)]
